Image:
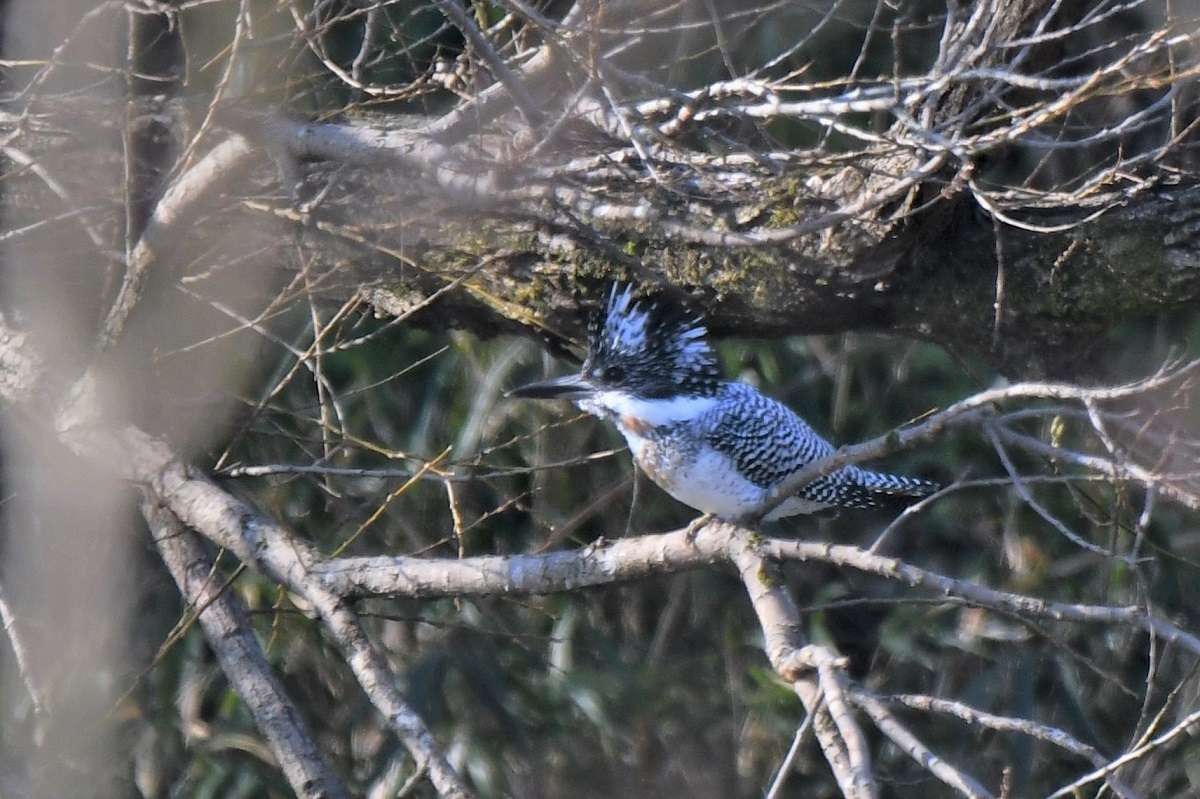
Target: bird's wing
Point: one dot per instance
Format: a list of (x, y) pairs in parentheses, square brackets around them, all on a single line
[(764, 438), (768, 442)]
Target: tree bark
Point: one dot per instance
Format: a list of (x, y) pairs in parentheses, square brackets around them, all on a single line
[(1032, 301)]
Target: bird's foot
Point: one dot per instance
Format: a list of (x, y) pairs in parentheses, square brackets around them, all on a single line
[(694, 527)]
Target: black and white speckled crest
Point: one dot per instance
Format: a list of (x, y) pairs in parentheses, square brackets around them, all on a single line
[(651, 349)]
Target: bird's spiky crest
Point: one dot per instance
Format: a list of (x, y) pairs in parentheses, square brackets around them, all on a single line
[(661, 348)]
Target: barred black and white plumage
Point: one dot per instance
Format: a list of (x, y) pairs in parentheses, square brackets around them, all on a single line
[(717, 446)]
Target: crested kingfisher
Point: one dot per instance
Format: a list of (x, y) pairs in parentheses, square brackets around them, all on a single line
[(716, 445)]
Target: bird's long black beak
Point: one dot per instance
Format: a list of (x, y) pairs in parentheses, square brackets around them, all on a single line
[(569, 387)]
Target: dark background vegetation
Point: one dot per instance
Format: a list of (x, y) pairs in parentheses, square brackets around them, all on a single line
[(367, 430)]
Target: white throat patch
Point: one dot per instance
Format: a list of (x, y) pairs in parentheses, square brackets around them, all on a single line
[(651, 412)]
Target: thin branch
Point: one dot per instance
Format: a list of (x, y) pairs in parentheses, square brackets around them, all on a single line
[(785, 767), (971, 411), (1133, 755), (529, 107), (912, 746), (1033, 729), (976, 594), (1018, 483), (1123, 471), (173, 210)]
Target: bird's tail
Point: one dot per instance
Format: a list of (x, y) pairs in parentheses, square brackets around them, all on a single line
[(860, 488), (897, 485)]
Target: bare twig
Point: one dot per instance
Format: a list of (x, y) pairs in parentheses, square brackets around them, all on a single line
[(21, 657), (785, 767), (909, 743), (1133, 755), (173, 209), (1018, 484), (529, 107), (972, 411), (1033, 729)]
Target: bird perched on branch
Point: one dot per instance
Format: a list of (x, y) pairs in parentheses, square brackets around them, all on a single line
[(716, 445)]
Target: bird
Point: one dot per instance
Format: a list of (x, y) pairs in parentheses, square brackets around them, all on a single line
[(718, 446)]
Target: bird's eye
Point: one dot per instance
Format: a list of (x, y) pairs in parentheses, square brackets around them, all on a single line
[(613, 374)]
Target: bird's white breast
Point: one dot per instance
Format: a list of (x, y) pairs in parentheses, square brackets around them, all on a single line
[(700, 477), (712, 484)]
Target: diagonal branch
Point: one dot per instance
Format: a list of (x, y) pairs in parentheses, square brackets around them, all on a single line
[(976, 717), (1021, 604), (972, 411), (178, 203), (912, 746), (822, 693), (200, 505), (529, 107), (232, 639), (268, 547)]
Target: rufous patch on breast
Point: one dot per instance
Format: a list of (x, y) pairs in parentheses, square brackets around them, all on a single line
[(632, 423), (649, 457)]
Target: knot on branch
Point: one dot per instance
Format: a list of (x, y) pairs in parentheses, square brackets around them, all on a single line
[(800, 663)]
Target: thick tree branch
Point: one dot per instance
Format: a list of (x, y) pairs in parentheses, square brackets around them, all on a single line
[(201, 506), (641, 556), (236, 647), (270, 549), (934, 277)]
